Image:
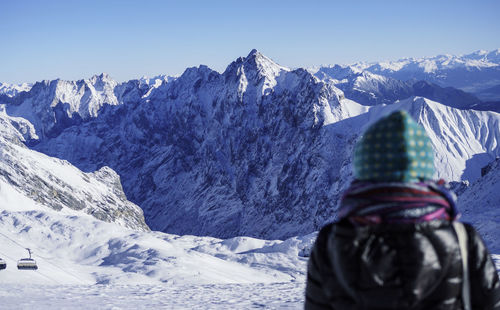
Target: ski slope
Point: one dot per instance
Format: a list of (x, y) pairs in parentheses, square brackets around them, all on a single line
[(87, 263), (78, 249)]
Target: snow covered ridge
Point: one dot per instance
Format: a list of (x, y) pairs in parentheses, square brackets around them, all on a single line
[(477, 73), (372, 89), (58, 185), (54, 105), (259, 150), (12, 90), (218, 154), (477, 59)]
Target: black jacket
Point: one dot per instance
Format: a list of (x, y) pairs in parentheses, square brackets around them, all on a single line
[(402, 266)]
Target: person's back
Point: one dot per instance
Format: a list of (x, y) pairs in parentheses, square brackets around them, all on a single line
[(394, 245)]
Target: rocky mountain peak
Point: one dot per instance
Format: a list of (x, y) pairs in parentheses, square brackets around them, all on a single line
[(255, 68)]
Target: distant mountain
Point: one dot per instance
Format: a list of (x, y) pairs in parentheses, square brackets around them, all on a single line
[(64, 103), (448, 95), (477, 73), (365, 87), (11, 90), (490, 93), (372, 89), (52, 106)]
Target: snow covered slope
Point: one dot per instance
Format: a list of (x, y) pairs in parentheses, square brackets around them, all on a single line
[(57, 184), (74, 248), (480, 205)]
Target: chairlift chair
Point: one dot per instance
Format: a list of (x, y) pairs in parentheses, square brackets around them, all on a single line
[(27, 263)]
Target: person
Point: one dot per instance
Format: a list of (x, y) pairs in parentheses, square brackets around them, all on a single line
[(394, 244)]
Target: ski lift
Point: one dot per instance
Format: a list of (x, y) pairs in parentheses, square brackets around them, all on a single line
[(3, 264), (27, 263)]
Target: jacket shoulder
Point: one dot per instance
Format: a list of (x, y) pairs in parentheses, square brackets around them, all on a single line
[(485, 283)]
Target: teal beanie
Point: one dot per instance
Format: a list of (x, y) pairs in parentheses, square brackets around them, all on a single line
[(394, 149)]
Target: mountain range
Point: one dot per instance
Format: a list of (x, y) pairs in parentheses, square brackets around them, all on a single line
[(258, 150), (477, 73)]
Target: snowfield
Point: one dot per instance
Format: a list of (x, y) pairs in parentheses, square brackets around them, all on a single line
[(86, 263), (289, 295)]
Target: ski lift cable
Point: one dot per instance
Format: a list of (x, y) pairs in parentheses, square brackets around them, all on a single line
[(35, 271), (3, 255), (47, 260), (44, 258), (46, 276), (14, 241)]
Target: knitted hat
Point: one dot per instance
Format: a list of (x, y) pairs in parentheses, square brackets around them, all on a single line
[(394, 149)]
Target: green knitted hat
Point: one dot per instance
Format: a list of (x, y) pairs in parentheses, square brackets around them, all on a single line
[(394, 149)]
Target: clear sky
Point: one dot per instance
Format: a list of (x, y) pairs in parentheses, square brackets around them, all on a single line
[(128, 39)]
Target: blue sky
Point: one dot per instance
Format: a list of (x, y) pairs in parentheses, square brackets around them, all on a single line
[(128, 39)]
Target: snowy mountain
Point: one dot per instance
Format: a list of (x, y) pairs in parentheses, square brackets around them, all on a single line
[(12, 90), (477, 73), (53, 105), (365, 87), (60, 213), (259, 150), (215, 154), (83, 231)]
